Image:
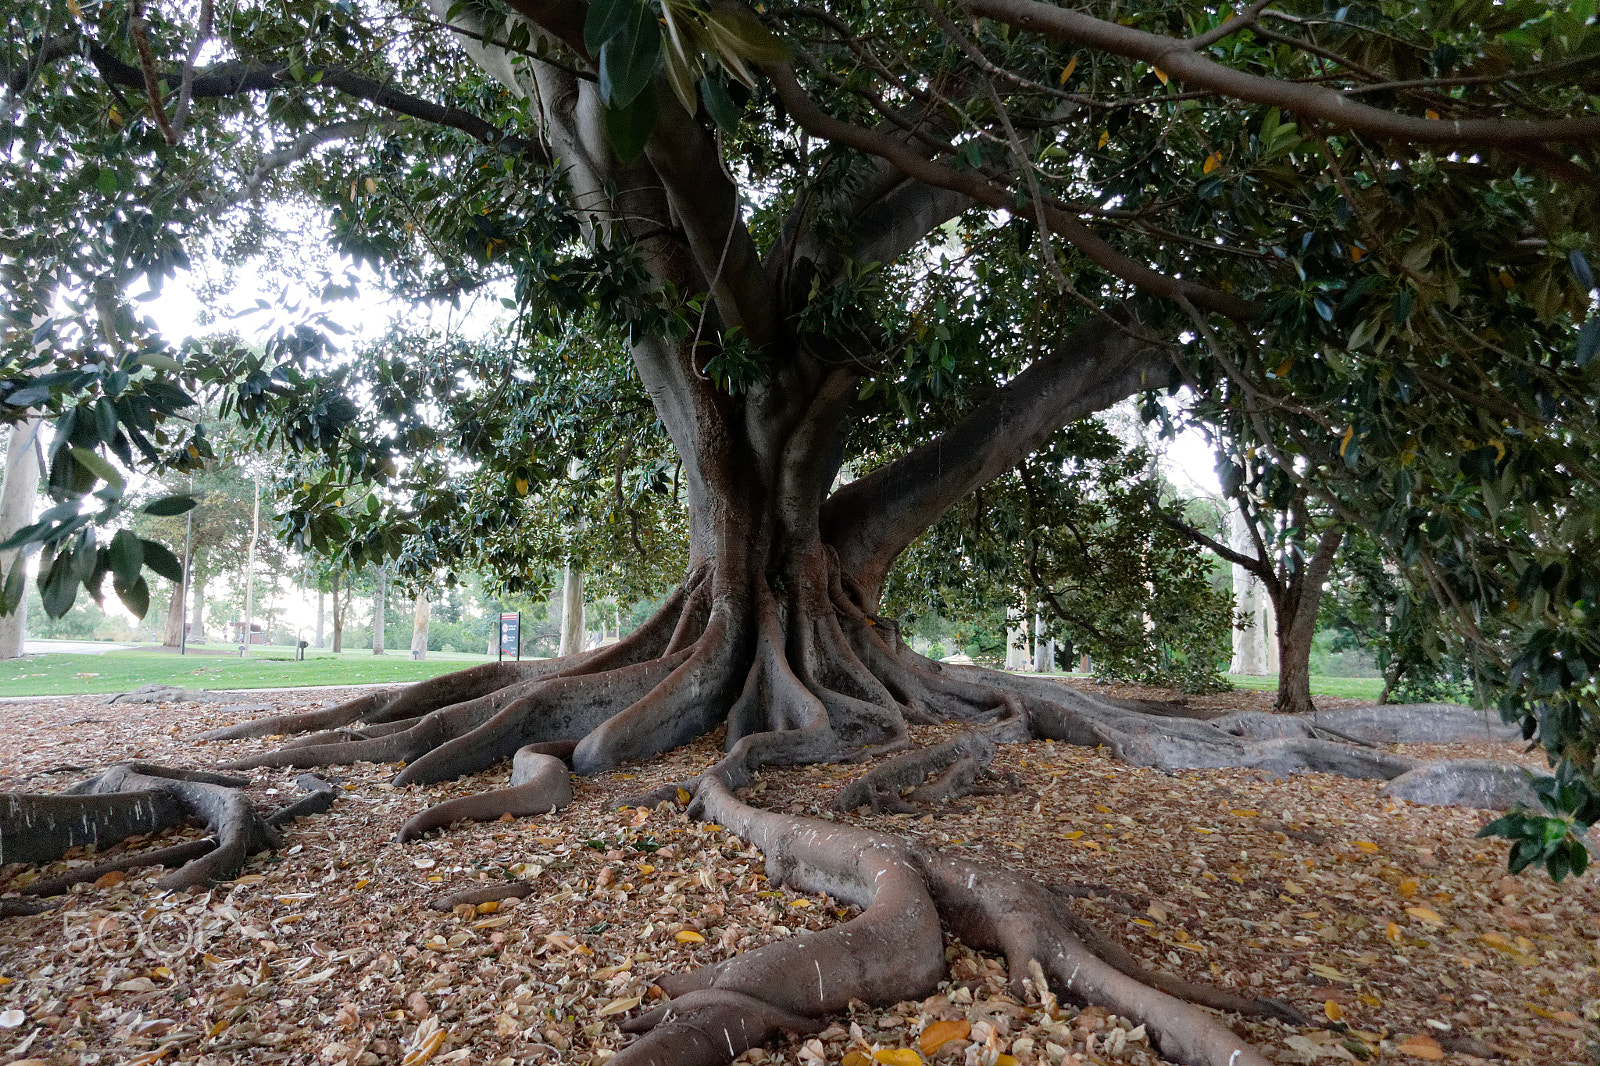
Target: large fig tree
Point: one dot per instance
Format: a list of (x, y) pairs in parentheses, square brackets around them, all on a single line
[(864, 259)]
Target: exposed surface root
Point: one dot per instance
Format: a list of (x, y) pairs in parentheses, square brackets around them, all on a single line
[(156, 693), (132, 798), (894, 949), (958, 763), (540, 784), (472, 897)]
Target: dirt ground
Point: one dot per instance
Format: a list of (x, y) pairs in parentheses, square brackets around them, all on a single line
[(1386, 923)]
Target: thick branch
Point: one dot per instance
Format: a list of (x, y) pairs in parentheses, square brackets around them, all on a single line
[(237, 79), (817, 121), (871, 520), (1182, 61)]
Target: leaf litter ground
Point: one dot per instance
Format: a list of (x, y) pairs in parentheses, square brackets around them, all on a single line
[(1386, 922)]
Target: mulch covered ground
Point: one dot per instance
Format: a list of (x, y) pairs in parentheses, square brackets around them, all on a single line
[(1388, 924)]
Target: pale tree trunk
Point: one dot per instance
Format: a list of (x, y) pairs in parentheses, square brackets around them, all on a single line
[(1255, 646), (320, 597), (338, 619), (380, 579), (250, 572), (197, 617), (1044, 649), (17, 497), (571, 611), (1016, 641), (173, 635), (419, 627)]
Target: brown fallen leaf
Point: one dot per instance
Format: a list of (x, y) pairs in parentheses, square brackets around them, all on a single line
[(941, 1033), (1421, 1046)]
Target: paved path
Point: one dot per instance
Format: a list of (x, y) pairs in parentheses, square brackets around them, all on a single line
[(75, 647)]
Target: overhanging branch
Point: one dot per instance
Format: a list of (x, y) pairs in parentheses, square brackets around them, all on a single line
[(1182, 61)]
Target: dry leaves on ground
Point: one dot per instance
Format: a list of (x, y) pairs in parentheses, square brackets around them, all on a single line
[(1387, 922)]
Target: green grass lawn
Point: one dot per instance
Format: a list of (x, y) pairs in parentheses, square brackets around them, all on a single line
[(1359, 688), (60, 674)]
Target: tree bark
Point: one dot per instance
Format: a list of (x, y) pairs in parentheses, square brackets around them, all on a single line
[(320, 597), (17, 495), (172, 636), (380, 597), (419, 627), (338, 618), (1295, 606), (571, 611), (197, 623)]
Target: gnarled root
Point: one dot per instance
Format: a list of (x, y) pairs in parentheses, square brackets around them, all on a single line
[(894, 949), (540, 784), (134, 798)]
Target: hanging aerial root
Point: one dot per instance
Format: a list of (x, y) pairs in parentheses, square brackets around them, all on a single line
[(893, 950), (540, 783), (132, 798)]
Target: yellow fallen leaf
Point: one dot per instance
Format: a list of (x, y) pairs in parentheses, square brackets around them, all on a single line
[(488, 907), (425, 1051), (683, 797), (1006, 1060), (856, 1058), (618, 1006), (1074, 835), (1089, 844), (1408, 889), (363, 883), (1369, 999), (1105, 138), (1332, 1010), (110, 880), (1425, 914), (688, 936), (1367, 846), (1102, 808), (898, 1056), (1243, 814), (1392, 931), (939, 1034), (1421, 1046), (1432, 114)]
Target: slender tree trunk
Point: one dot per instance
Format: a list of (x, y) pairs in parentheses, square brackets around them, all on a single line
[(17, 497), (380, 596), (173, 635), (197, 617), (571, 611), (320, 597), (1296, 612), (338, 619), (250, 571), (419, 627)]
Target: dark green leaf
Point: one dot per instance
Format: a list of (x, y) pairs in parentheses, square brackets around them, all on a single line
[(630, 127), (605, 19), (127, 558), (136, 597), (629, 59), (158, 558), (167, 506), (719, 105)]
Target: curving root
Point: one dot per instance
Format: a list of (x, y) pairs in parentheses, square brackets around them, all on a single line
[(134, 797), (895, 949), (540, 783)]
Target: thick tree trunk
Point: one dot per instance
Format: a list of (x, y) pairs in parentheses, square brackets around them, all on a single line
[(172, 636), (380, 597), (571, 611), (17, 497), (419, 627)]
